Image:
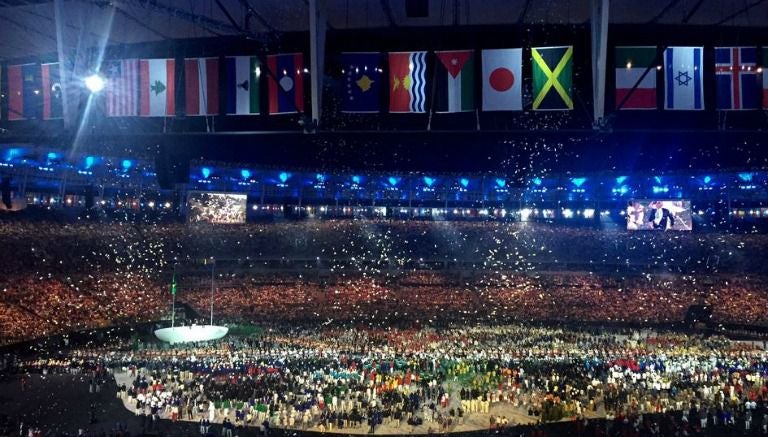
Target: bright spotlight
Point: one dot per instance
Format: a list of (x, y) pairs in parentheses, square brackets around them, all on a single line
[(95, 83)]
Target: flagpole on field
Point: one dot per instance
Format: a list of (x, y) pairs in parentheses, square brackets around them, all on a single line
[(173, 298)]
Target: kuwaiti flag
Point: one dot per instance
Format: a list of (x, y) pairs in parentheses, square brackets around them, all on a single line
[(631, 64), (286, 83), (502, 80), (242, 85), (407, 81), (24, 96), (157, 95), (683, 73), (201, 86), (455, 81), (736, 78)]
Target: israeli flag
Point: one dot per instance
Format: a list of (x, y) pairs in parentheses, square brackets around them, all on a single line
[(683, 74)]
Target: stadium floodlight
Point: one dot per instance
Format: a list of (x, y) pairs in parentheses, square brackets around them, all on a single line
[(95, 83)]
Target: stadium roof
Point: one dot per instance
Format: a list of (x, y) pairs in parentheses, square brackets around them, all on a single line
[(27, 27)]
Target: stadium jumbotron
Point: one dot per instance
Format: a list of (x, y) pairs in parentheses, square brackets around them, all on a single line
[(393, 217)]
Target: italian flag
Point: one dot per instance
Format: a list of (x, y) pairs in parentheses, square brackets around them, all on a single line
[(631, 63), (455, 81)]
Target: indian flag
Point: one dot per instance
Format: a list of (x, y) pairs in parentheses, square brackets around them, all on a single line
[(631, 64)]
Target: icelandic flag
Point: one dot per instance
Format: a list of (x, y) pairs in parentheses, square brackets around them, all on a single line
[(683, 74), (286, 83), (362, 82), (736, 78)]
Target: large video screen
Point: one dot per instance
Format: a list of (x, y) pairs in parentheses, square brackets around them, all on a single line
[(216, 207), (659, 215)]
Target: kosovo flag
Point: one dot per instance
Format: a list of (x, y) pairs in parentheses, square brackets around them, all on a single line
[(362, 82)]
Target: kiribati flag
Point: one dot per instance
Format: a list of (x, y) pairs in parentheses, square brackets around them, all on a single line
[(362, 82), (286, 83), (736, 76)]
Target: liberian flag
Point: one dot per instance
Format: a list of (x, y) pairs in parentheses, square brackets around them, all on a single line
[(201, 86), (157, 87), (242, 85), (286, 83), (122, 88), (736, 78), (683, 73), (24, 97), (631, 64), (407, 81), (455, 81), (502, 80)]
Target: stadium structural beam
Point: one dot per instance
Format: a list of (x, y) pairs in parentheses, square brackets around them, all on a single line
[(317, 28), (599, 36), (58, 11)]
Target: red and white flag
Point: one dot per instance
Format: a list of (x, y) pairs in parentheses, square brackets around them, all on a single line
[(122, 90), (157, 88), (201, 86)]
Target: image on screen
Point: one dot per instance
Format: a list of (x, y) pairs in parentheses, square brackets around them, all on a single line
[(216, 207), (659, 215)]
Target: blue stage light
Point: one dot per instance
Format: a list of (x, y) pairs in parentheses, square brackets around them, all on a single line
[(501, 182), (89, 161), (205, 171), (429, 181), (578, 181), (245, 173), (707, 179), (464, 182), (393, 180), (127, 164), (537, 181), (746, 177), (620, 180), (284, 176), (355, 179), (320, 177)]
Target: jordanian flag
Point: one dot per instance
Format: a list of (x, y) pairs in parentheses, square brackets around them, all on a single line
[(631, 64), (552, 78), (455, 81), (242, 85)]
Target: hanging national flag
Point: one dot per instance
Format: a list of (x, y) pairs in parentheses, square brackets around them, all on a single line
[(455, 81), (157, 87), (683, 73), (631, 64), (765, 77), (201, 86), (24, 94), (122, 90), (736, 78), (502, 80), (173, 284), (52, 99), (286, 83), (242, 86), (407, 71), (552, 78), (362, 82)]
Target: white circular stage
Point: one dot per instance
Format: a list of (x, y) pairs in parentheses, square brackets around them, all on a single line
[(184, 334)]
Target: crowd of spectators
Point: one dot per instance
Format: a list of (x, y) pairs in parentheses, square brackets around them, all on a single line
[(61, 275)]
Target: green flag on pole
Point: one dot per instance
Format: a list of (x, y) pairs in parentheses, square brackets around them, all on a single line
[(173, 284)]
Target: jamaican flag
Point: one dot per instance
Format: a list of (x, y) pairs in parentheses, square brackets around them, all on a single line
[(552, 78)]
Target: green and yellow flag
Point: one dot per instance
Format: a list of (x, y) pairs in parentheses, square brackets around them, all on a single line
[(552, 78)]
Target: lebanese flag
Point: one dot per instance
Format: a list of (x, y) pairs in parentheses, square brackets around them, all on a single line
[(765, 77), (455, 81), (201, 86), (502, 80), (157, 87), (407, 80), (286, 83), (631, 64)]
